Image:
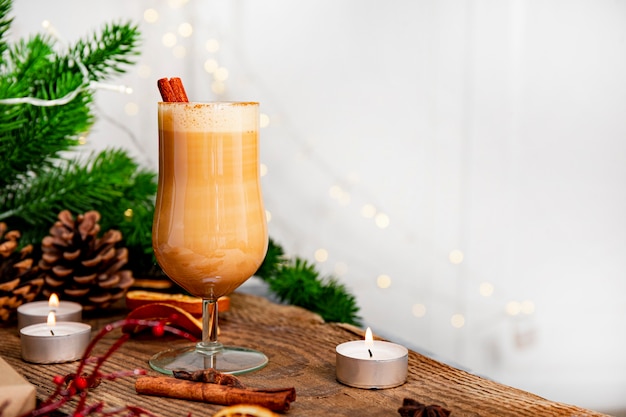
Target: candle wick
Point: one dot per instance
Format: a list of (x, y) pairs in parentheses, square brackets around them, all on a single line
[(52, 333), (370, 352)]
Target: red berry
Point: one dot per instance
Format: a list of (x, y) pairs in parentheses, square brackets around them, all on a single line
[(158, 330), (81, 383), (58, 380)]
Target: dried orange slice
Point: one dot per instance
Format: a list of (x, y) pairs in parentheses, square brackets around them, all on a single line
[(245, 410), (169, 314), (192, 305)]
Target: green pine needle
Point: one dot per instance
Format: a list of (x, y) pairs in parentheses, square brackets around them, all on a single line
[(109, 51), (5, 23), (273, 258), (297, 282)]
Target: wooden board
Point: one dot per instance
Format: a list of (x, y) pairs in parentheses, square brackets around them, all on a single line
[(301, 350)]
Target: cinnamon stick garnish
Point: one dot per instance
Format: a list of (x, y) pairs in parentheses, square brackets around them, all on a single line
[(172, 90), (167, 94), (179, 89), (278, 399)]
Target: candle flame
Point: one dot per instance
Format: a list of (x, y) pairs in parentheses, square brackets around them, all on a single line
[(369, 339), (53, 302), (52, 319)]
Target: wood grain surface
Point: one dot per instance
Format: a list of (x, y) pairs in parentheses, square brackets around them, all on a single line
[(301, 351)]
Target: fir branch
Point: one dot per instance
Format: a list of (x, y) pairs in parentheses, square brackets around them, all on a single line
[(109, 51), (105, 182), (37, 135), (5, 24), (36, 177), (297, 282), (27, 60), (133, 213), (274, 257), (32, 136)]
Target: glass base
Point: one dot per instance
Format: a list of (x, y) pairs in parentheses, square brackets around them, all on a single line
[(228, 360)]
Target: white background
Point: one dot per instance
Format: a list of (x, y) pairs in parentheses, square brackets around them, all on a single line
[(489, 133)]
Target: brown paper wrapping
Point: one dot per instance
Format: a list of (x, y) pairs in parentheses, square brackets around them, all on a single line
[(18, 394)]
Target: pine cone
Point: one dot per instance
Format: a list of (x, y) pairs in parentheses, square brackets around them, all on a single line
[(82, 267), (19, 279)]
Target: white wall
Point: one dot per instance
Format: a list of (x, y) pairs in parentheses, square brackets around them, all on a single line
[(494, 128)]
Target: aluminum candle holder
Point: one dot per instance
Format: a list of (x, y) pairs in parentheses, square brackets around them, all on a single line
[(57, 343), (37, 312), (371, 364)]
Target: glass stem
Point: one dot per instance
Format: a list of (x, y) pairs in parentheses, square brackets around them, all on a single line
[(209, 343)]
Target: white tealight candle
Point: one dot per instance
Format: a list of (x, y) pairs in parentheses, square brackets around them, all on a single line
[(37, 311), (53, 342), (371, 364)]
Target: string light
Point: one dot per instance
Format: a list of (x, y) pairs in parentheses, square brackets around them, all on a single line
[(169, 39), (457, 320), (455, 256), (44, 102), (131, 109), (486, 289), (110, 87), (339, 194), (418, 310), (179, 51), (144, 71), (263, 170), (52, 31), (212, 45), (264, 120), (221, 74), (368, 211), (383, 281), (210, 66), (341, 268), (335, 191), (176, 4), (150, 15), (527, 307), (321, 255), (513, 308), (185, 30), (381, 220), (218, 87)]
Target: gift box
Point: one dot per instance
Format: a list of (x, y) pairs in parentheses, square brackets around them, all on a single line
[(17, 396)]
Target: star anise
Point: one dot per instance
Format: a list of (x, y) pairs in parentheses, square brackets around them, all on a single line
[(412, 408), (210, 376)]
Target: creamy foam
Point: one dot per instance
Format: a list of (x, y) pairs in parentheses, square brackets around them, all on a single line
[(215, 116)]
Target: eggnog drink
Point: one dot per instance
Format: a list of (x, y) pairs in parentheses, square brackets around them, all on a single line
[(209, 232)]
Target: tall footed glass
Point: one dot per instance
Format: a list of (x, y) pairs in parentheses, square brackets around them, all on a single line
[(209, 233)]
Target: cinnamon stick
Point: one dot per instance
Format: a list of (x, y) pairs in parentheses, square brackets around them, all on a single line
[(172, 90), (179, 89), (167, 94), (275, 399)]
